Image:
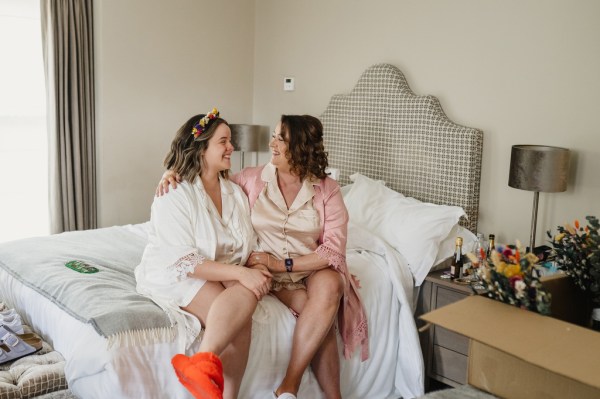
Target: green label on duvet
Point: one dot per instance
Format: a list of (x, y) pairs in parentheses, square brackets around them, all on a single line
[(81, 267)]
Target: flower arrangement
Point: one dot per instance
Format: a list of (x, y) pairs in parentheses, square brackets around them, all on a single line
[(576, 251), (513, 278), (203, 122)]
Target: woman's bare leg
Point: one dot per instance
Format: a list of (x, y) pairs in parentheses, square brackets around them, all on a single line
[(235, 358), (227, 315), (312, 332), (326, 366)]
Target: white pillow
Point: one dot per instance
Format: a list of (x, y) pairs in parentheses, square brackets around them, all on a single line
[(413, 228), (345, 189)]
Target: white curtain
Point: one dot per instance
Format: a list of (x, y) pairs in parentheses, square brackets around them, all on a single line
[(67, 37)]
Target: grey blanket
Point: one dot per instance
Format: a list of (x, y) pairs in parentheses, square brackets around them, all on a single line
[(107, 299)]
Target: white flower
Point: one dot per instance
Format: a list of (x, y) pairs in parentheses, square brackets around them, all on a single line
[(520, 288)]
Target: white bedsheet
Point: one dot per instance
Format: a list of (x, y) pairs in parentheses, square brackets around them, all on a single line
[(394, 369)]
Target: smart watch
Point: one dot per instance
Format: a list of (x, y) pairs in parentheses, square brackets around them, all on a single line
[(289, 263)]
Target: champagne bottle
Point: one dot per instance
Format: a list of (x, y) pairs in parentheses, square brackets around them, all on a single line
[(491, 245), (457, 261)]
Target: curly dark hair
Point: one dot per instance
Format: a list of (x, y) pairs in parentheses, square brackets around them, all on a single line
[(306, 152), (186, 152)]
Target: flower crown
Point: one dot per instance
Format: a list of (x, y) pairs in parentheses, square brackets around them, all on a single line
[(202, 124)]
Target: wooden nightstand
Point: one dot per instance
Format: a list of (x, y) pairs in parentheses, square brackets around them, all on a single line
[(445, 353)]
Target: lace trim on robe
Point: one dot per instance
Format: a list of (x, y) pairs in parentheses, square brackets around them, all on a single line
[(334, 258), (185, 265)]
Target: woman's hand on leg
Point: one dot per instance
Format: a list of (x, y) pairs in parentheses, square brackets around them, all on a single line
[(257, 280)]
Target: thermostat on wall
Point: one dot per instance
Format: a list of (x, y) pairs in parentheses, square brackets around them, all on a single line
[(288, 84)]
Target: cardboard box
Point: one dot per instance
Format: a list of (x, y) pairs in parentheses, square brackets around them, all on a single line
[(568, 302), (514, 353)]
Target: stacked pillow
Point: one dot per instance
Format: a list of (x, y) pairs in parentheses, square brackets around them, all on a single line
[(420, 231)]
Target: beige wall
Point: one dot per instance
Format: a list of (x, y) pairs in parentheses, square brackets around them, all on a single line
[(523, 71), (157, 63)]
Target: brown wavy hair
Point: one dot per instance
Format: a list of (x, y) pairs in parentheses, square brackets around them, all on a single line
[(306, 152), (186, 156)]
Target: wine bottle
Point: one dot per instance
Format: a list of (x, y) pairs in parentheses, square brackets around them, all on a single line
[(491, 245), (457, 261)]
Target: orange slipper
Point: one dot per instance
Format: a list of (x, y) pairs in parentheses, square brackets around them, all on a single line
[(210, 364), (202, 374)]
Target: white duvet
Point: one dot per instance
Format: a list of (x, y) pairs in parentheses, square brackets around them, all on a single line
[(394, 368)]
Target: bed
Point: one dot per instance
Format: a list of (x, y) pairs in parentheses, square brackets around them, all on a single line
[(411, 183)]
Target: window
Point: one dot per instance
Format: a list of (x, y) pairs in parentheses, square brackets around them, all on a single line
[(23, 133)]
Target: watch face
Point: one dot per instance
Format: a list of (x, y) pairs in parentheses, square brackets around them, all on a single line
[(289, 262)]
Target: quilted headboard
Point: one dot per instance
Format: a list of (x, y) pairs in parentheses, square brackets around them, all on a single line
[(384, 131)]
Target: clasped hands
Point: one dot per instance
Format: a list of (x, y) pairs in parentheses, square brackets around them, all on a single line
[(259, 284), (264, 261)]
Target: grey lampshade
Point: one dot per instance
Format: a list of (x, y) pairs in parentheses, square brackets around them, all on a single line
[(539, 168), (249, 138)]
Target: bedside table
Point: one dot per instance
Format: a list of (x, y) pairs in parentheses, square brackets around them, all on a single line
[(445, 353)]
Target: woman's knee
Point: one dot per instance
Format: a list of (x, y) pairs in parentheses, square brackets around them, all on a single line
[(236, 285), (327, 284)]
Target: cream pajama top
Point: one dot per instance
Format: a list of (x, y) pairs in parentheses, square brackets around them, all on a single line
[(186, 229), (283, 232)]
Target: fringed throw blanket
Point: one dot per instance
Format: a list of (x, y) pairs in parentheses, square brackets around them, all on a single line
[(106, 299)]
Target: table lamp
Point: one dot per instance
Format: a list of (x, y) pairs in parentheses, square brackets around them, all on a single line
[(538, 168), (249, 138)]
